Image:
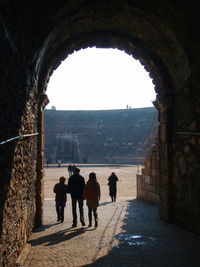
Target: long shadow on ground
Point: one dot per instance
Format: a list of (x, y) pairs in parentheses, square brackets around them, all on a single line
[(58, 237), (147, 241)]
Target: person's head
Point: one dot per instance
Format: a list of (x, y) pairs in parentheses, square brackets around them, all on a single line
[(92, 176), (77, 170), (113, 174), (62, 179)]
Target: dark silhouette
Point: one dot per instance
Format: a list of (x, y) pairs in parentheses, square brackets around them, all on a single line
[(47, 163), (73, 168), (59, 162), (60, 189), (70, 170), (92, 195), (112, 183), (76, 184)]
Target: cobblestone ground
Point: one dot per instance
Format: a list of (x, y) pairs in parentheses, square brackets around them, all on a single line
[(130, 232)]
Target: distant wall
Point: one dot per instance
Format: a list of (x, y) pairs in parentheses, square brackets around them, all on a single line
[(111, 136)]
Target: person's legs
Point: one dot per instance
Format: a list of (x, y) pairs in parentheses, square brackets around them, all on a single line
[(62, 207), (95, 216), (80, 204), (74, 214), (90, 216), (58, 211)]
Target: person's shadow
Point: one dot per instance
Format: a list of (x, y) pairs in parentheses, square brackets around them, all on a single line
[(43, 228), (58, 237), (104, 203)]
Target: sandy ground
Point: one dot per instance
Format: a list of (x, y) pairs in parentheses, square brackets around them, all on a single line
[(126, 186)]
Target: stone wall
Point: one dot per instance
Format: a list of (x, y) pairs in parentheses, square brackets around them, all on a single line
[(19, 191), (185, 157), (18, 159), (148, 180)]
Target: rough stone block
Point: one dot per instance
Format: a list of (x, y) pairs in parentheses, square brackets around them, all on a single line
[(164, 210), (162, 133), (140, 191), (152, 197), (182, 165), (147, 179), (23, 255), (154, 172), (164, 167), (149, 187)]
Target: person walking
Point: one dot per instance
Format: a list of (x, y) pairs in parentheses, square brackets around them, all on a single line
[(59, 163), (112, 183), (92, 195), (60, 189), (76, 184)]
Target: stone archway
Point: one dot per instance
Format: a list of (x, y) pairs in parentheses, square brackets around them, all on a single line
[(36, 37), (164, 90)]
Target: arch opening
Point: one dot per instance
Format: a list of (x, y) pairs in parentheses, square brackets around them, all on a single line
[(113, 78), (100, 79), (131, 46), (152, 64), (112, 148)]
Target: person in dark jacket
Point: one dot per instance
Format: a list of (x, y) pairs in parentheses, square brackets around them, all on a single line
[(112, 183), (60, 189), (76, 185)]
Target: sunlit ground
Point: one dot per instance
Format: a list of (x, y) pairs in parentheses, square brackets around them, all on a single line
[(126, 185)]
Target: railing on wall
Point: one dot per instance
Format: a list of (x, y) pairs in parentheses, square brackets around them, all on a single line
[(19, 137)]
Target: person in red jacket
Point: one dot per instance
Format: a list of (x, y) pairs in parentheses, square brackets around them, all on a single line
[(92, 195)]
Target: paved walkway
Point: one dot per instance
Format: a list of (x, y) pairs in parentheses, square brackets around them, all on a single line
[(130, 233)]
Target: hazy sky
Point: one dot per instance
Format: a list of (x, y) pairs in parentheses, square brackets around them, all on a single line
[(93, 79)]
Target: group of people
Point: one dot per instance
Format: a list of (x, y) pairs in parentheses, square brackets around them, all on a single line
[(80, 191)]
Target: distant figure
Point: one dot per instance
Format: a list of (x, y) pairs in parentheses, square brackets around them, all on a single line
[(76, 184), (59, 162), (92, 195), (73, 168), (60, 189), (112, 183), (70, 170), (47, 163)]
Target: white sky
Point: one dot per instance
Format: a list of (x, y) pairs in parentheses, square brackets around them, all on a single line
[(95, 79)]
